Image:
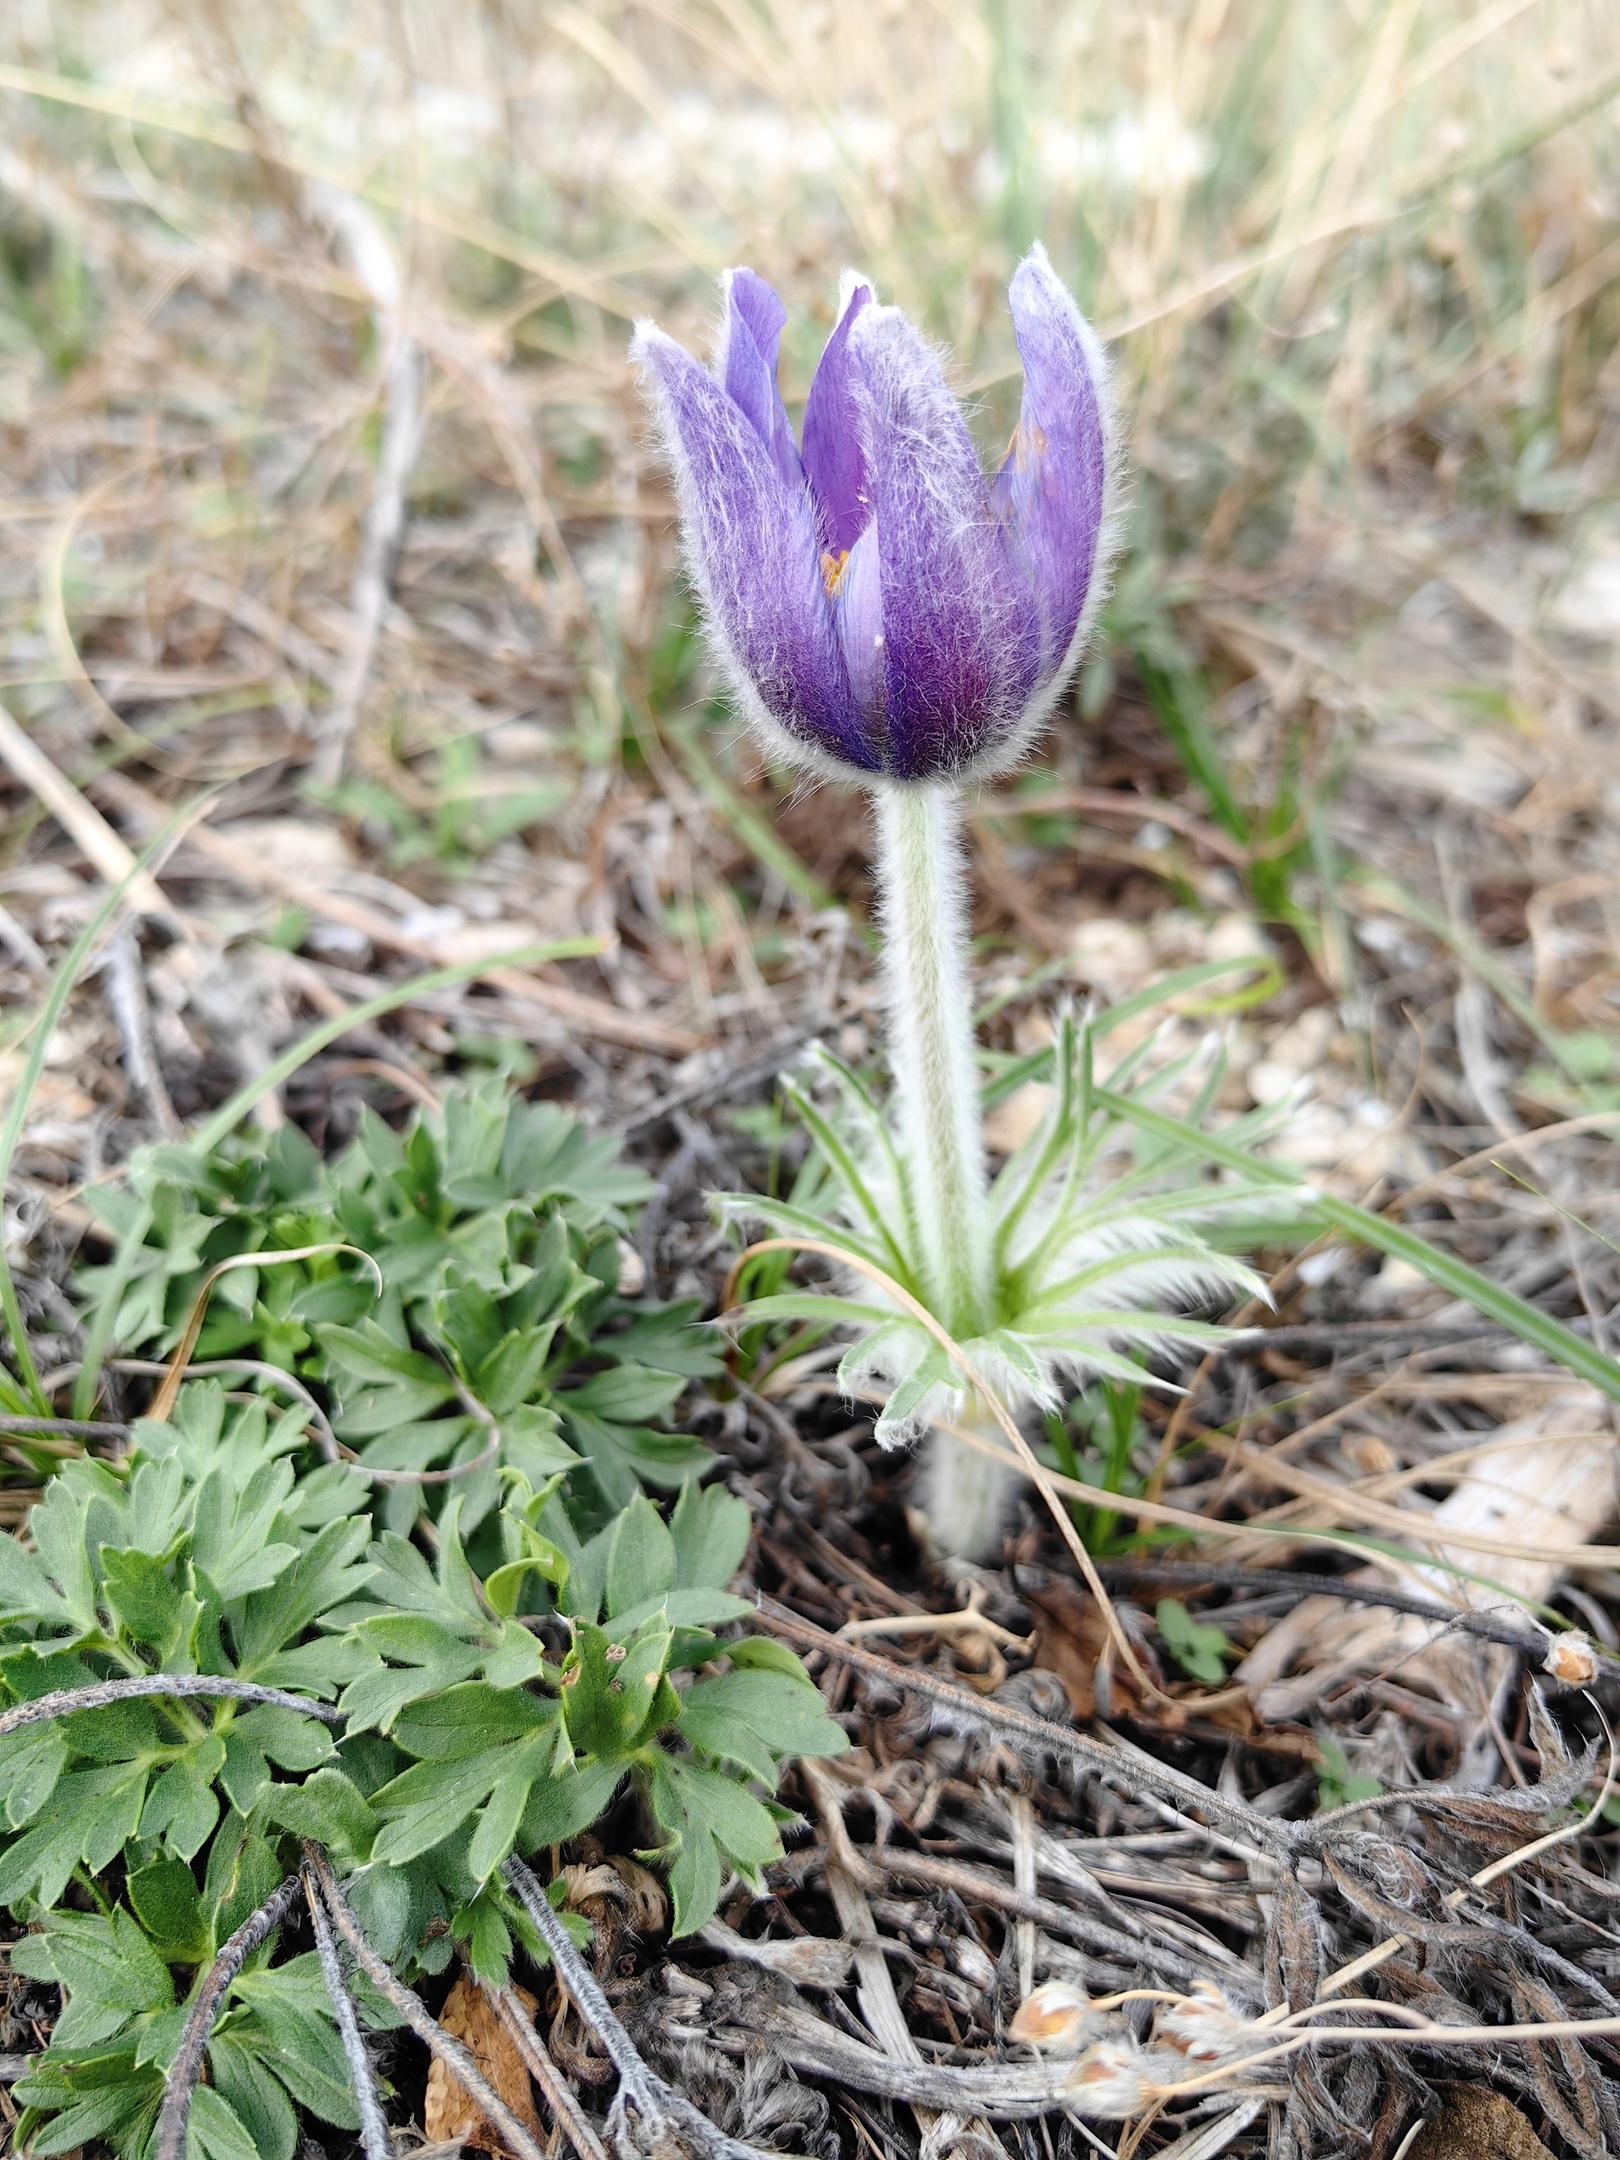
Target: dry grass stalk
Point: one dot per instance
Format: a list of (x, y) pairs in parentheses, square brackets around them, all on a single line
[(1537, 1486)]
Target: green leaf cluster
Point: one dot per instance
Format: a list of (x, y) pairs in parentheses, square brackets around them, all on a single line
[(495, 1225), (126, 1976), (499, 1658), (1101, 1235), (479, 1714)]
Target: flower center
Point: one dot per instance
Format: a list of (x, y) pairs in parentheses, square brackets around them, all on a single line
[(832, 571)]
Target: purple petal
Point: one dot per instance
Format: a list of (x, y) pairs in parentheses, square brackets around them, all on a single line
[(960, 632), (832, 443), (754, 554), (750, 338), (1053, 490), (858, 618)]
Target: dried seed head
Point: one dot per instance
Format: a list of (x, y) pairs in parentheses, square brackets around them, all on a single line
[(1056, 2016), (1203, 2027), (1571, 1659), (1108, 2081)]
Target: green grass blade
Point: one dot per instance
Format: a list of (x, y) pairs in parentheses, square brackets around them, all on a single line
[(1538, 1329), (1180, 704)]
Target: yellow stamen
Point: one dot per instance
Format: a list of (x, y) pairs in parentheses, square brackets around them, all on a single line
[(832, 571)]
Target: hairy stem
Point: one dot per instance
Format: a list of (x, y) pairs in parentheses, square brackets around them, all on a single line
[(931, 1045), (186, 2068), (416, 2013), (374, 2139), (64, 1701), (965, 1493)]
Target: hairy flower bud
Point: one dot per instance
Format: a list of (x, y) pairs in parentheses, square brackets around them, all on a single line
[(1203, 2026), (879, 606), (1056, 2017), (1571, 1659), (1109, 2081)]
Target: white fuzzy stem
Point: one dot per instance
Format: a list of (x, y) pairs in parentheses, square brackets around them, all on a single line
[(965, 1493), (936, 1082)]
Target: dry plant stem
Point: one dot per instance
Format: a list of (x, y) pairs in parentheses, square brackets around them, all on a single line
[(184, 2071), (66, 1700), (592, 1016), (1483, 1877), (163, 1402), (1488, 1628), (1409, 1524), (401, 439), (1273, 1838), (103, 850), (846, 1875), (1023, 1455), (150, 1368), (373, 2130), (411, 2008), (575, 2123), (1421, 2033), (324, 1437), (126, 994), (969, 1621), (64, 1428), (845, 1879), (1021, 1820), (1006, 2091), (661, 2111)]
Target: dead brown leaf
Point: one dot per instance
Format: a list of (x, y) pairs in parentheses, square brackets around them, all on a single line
[(1479, 2125), (449, 2111), (1070, 1636)]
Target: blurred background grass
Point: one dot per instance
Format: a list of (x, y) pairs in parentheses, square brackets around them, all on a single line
[(1358, 266)]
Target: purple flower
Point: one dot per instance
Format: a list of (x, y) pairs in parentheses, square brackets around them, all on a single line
[(879, 605)]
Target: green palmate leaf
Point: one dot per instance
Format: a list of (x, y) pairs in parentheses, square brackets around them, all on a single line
[(611, 1685), (258, 2101), (752, 1718), (31, 1762), (641, 1557), (106, 1964), (104, 2094), (216, 2129), (478, 1747), (223, 1546), (91, 1815), (169, 1906), (710, 1530), (290, 2021), (1197, 1647), (666, 1339), (713, 1826), (328, 1807), (426, 1656), (623, 1458), (263, 1736), (624, 1395), (326, 1573), (563, 1805)]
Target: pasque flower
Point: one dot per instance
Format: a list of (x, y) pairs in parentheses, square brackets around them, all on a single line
[(880, 606), (890, 615)]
